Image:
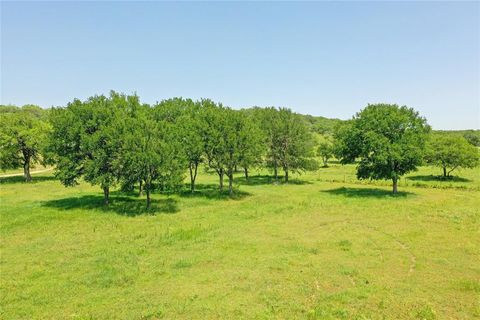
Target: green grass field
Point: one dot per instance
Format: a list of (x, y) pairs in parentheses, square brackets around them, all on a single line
[(325, 246)]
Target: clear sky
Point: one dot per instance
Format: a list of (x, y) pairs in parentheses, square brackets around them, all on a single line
[(320, 58)]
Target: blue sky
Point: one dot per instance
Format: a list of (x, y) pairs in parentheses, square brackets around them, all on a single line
[(320, 58)]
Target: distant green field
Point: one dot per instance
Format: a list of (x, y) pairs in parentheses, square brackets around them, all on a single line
[(15, 171), (325, 246), (424, 177)]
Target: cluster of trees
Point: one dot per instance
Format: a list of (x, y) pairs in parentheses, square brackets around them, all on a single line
[(472, 136), (390, 141), (23, 137), (117, 140)]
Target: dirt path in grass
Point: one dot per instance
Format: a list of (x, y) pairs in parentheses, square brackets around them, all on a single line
[(21, 173)]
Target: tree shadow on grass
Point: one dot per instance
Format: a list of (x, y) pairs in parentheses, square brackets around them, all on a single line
[(266, 179), (21, 179), (211, 192), (430, 178), (366, 193), (124, 206)]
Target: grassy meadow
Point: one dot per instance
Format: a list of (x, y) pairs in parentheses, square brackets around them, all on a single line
[(324, 246)]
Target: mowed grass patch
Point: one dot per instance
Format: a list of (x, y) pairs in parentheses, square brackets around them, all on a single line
[(311, 249)]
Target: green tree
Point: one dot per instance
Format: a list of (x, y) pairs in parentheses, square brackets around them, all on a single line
[(295, 144), (451, 152), (87, 140), (214, 137), (23, 135), (190, 129), (270, 123), (325, 151), (241, 143), (250, 142), (152, 153), (473, 137), (230, 140), (288, 141), (388, 139)]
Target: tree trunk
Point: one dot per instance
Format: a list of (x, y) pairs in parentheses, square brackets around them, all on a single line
[(149, 201), (230, 184), (220, 175), (286, 175), (246, 173), (26, 171), (395, 185), (140, 191), (106, 196), (444, 172), (193, 175), (275, 172)]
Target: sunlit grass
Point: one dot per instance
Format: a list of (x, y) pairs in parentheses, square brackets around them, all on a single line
[(312, 249)]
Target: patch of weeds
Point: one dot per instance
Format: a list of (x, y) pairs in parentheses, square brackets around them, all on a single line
[(327, 313), (362, 317), (182, 264), (113, 272), (348, 271), (159, 314), (345, 245), (469, 285), (425, 313), (189, 234)]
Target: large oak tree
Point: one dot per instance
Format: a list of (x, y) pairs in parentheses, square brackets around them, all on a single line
[(389, 141), (87, 140)]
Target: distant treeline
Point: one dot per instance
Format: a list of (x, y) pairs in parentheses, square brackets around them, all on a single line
[(472, 136)]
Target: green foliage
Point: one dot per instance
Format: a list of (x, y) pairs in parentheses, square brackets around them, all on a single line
[(250, 141), (325, 151), (151, 150), (190, 129), (295, 144), (388, 139), (451, 152), (472, 136), (321, 125), (23, 135), (32, 109), (289, 143), (87, 140), (230, 139), (213, 134)]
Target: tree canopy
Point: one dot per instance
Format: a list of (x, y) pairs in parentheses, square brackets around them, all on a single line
[(326, 151), (451, 152), (388, 139), (87, 140), (287, 139), (23, 135), (151, 151)]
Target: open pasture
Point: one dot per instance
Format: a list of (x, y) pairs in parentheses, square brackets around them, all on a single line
[(323, 246)]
